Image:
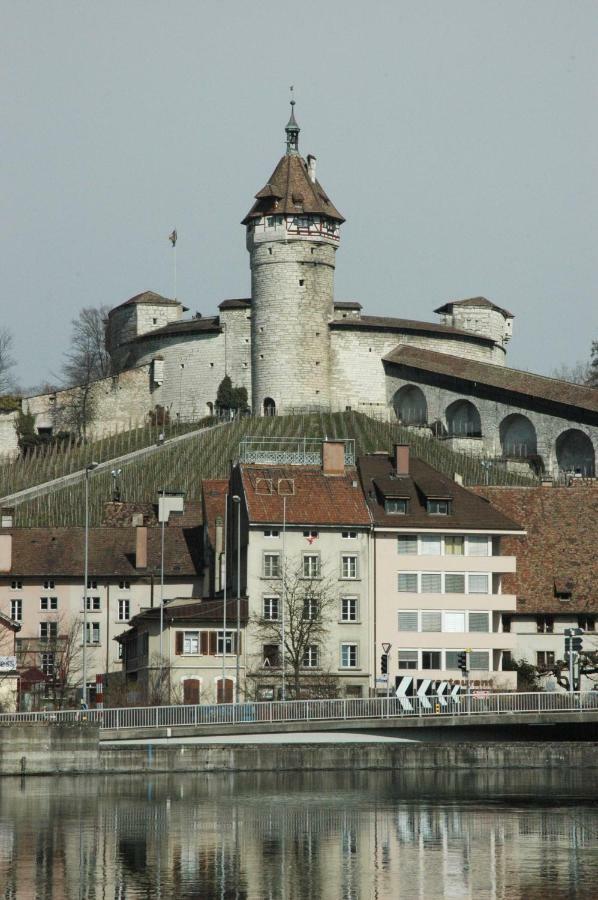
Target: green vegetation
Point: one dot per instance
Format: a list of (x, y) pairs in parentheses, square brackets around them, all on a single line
[(183, 465)]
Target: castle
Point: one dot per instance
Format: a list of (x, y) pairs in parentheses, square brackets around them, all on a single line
[(294, 347)]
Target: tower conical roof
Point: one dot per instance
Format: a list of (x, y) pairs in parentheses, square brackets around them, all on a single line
[(290, 191)]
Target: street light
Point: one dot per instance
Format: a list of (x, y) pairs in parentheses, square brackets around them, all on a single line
[(88, 468), (237, 502)]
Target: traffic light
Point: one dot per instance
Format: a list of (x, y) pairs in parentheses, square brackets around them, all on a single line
[(384, 664), (576, 644), (462, 661), (573, 640)]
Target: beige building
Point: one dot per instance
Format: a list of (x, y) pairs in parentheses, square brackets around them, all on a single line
[(438, 570)]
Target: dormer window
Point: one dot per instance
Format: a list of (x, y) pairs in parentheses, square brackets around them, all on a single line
[(438, 507), (396, 506)]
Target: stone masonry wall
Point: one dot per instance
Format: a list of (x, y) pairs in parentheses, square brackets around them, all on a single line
[(237, 338), (9, 445)]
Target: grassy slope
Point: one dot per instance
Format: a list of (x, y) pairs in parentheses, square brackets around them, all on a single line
[(183, 466)]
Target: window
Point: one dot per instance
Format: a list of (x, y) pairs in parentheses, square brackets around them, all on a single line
[(451, 659), (431, 659), (310, 657), (588, 623), (49, 584), (47, 665), (124, 610), (407, 659), (478, 660), (48, 603), (454, 622), (16, 610), (16, 585), (454, 545), (124, 585), (271, 608), (477, 545), (408, 620), (48, 630), (454, 583), (349, 535), (349, 609), (506, 624), (545, 624), (94, 604), (431, 620), (348, 656), (431, 545), (93, 633), (545, 659), (408, 582), (407, 544), (311, 535), (231, 641), (271, 565), (396, 506), (311, 566), (191, 642), (92, 584), (431, 583), (310, 609), (477, 584), (438, 507), (271, 532), (271, 655), (479, 621), (349, 567)]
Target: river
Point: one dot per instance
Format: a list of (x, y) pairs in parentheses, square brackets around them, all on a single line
[(323, 836)]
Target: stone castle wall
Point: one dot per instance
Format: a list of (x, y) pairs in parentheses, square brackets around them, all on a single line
[(9, 444)]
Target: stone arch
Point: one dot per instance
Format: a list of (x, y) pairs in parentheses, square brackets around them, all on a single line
[(518, 436), (575, 453), (463, 419), (269, 406), (410, 405)]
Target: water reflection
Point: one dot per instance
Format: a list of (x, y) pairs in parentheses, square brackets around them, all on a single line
[(324, 835)]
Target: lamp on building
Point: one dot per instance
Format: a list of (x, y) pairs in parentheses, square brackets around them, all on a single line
[(237, 502), (88, 468)]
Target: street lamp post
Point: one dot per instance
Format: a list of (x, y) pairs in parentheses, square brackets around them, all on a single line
[(283, 597), (88, 468), (237, 502), (162, 591)]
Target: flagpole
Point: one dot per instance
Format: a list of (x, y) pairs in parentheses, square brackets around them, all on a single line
[(174, 270), (173, 237)]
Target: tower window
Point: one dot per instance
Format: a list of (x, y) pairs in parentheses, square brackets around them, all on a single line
[(154, 321), (261, 355), (317, 362), (301, 282), (211, 365), (270, 250)]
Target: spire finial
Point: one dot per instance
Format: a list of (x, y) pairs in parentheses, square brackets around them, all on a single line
[(292, 129)]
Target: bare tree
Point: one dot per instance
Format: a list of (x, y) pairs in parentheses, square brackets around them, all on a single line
[(592, 378), (86, 361), (6, 359), (579, 373), (58, 655), (309, 604)]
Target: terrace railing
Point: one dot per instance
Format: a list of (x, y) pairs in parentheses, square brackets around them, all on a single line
[(508, 705)]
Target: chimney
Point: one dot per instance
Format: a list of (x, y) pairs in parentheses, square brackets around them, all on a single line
[(402, 459), (333, 458), (311, 167), (458, 478), (141, 547), (5, 552), (7, 517)]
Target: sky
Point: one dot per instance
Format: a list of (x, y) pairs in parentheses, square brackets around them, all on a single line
[(458, 139)]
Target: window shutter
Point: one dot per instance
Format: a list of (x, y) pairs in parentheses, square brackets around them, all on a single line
[(178, 646), (408, 620), (431, 620), (213, 643), (204, 646)]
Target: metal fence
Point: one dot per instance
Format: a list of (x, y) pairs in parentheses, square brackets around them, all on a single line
[(475, 704)]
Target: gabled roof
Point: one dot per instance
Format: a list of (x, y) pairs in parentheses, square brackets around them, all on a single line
[(312, 498), (290, 191), (149, 297), (188, 611), (241, 303), (379, 480), (60, 552), (210, 324), (384, 323), (475, 302), (501, 378)]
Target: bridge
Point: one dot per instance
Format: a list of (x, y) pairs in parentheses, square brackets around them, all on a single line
[(478, 716)]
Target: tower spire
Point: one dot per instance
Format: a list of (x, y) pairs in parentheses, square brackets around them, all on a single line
[(292, 130)]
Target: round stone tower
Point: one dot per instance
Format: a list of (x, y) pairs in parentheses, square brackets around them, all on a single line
[(292, 237)]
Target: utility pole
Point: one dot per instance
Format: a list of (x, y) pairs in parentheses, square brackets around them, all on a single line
[(88, 468), (237, 502)]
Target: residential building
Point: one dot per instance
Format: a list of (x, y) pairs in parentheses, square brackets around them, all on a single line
[(193, 661), (304, 564), (438, 568), (556, 581)]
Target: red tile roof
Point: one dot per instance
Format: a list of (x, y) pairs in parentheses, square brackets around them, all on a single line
[(475, 302), (213, 493), (560, 547), (149, 297), (290, 190), (312, 497)]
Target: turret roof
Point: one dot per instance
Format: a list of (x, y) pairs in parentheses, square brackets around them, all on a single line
[(475, 301), (149, 297), (290, 190)]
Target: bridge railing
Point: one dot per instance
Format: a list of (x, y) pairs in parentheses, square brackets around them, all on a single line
[(474, 704)]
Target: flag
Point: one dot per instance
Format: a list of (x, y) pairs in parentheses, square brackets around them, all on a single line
[(172, 237)]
